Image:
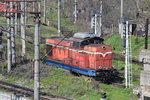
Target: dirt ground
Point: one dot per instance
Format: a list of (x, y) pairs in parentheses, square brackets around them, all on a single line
[(26, 70)]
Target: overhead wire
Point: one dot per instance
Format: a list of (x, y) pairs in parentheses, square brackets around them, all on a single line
[(55, 46), (16, 35)]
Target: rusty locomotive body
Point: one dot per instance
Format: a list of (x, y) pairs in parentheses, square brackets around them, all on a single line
[(84, 53)]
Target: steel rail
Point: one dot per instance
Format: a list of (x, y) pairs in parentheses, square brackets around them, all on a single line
[(29, 92)]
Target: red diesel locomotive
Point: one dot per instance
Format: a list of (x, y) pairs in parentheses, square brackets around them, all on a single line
[(84, 53)]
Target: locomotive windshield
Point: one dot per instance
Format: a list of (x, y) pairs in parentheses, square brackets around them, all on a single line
[(91, 41), (76, 44)]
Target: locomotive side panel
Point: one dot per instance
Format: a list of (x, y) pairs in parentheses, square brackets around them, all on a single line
[(54, 51), (75, 58), (60, 49), (78, 58), (48, 52), (61, 53), (84, 60)]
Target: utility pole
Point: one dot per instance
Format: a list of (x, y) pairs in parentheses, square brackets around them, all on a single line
[(37, 55), (59, 23), (100, 18), (95, 24), (121, 14), (126, 55), (112, 28), (146, 33), (137, 20), (12, 36), (75, 12), (137, 5), (8, 45), (130, 57), (121, 20), (16, 20), (45, 11), (94, 21), (37, 59), (33, 6), (23, 32)]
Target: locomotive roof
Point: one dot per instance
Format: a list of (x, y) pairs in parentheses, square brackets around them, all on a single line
[(80, 40), (60, 38), (76, 39), (83, 35)]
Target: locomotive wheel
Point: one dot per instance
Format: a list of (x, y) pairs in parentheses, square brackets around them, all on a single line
[(75, 73), (107, 76)]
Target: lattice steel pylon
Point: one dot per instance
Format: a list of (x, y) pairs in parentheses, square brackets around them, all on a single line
[(128, 55)]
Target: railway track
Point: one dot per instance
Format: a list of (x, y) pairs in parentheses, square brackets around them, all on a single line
[(122, 58), (29, 92)]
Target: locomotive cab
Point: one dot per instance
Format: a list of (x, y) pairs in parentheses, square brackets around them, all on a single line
[(95, 40), (82, 39), (80, 43)]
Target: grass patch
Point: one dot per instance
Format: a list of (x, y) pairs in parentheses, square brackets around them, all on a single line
[(68, 85), (136, 69), (116, 42), (115, 93)]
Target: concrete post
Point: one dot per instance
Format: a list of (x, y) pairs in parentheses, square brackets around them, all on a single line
[(13, 37), (59, 18), (100, 19), (45, 11), (23, 32), (112, 28), (146, 33), (75, 12), (126, 57), (121, 14), (37, 56), (121, 20), (16, 20), (33, 6), (8, 46), (37, 60), (95, 24)]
